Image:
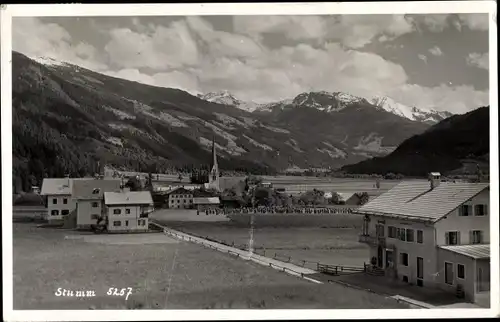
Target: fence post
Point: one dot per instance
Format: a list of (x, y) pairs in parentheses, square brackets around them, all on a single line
[(303, 263), (336, 270), (317, 266)]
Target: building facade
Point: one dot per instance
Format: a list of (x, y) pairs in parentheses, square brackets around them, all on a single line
[(58, 192), (89, 199), (414, 229), (128, 211), (180, 198)]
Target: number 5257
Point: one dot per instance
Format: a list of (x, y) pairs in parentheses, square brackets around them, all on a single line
[(120, 292)]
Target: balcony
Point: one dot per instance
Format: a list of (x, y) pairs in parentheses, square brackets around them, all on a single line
[(372, 240)]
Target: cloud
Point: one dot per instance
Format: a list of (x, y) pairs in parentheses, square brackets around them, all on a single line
[(436, 51), (432, 22), (458, 99), (293, 27), (354, 31), (34, 38), (164, 48), (479, 60), (475, 21), (422, 57), (190, 54)]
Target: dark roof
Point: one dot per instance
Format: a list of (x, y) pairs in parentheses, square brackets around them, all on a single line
[(179, 191), (83, 189), (415, 199), (29, 199)]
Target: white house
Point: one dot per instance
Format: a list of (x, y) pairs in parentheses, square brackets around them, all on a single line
[(432, 234), (89, 199), (128, 211), (180, 198), (58, 192)]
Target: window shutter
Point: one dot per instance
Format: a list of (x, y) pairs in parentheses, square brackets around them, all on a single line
[(447, 237), (471, 237), (458, 238), (485, 209)]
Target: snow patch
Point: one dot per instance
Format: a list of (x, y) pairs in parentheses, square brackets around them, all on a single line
[(115, 141), (257, 144), (293, 144), (229, 149), (275, 129), (370, 143), (229, 120), (121, 114)]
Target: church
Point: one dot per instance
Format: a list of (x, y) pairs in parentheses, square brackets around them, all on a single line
[(213, 176)]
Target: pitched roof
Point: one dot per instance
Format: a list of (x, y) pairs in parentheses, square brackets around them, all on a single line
[(128, 198), (206, 201), (83, 189), (479, 251), (415, 199), (180, 190), (346, 195), (59, 186)]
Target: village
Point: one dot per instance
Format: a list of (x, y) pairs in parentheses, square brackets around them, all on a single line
[(431, 234)]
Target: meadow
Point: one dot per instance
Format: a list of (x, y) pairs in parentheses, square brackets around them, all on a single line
[(162, 275), (336, 243)]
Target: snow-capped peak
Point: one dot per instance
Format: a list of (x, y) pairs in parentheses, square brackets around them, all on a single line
[(48, 61), (412, 113), (226, 98), (326, 101)]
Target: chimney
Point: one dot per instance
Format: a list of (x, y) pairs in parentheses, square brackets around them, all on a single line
[(435, 179)]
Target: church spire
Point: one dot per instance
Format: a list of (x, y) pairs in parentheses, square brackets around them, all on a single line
[(213, 179)]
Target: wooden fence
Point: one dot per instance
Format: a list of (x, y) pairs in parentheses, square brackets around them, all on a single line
[(339, 269)]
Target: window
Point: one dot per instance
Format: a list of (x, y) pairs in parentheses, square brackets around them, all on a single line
[(117, 211), (178, 201), (65, 201), (141, 222), (420, 236), (476, 237), (95, 205), (184, 200), (96, 191), (460, 271), (480, 210), (127, 211), (404, 259), (448, 273), (410, 235), (94, 217), (54, 201), (402, 234), (65, 212), (117, 223), (391, 232), (380, 230), (191, 201), (126, 222), (54, 213), (465, 210), (452, 238)]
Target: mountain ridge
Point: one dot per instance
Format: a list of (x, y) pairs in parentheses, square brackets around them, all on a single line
[(450, 146)]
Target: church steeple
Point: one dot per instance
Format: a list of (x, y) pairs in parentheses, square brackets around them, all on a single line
[(213, 178)]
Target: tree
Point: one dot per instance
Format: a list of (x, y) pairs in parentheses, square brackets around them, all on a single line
[(180, 177), (134, 184), (363, 198)]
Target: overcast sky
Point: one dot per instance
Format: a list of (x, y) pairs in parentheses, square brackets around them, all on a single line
[(431, 61)]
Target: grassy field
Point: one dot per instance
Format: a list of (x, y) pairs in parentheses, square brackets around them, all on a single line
[(336, 244), (173, 275)]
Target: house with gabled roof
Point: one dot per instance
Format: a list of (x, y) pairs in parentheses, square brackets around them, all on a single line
[(128, 211), (432, 234), (180, 198), (88, 196), (58, 192)]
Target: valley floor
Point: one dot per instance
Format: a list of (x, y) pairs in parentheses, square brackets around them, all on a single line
[(163, 275)]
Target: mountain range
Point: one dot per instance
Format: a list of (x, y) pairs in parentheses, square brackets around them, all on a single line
[(456, 145), (330, 102), (66, 118)]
